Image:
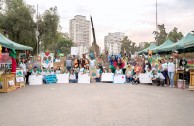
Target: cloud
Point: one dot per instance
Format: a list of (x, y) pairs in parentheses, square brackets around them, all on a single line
[(136, 18)]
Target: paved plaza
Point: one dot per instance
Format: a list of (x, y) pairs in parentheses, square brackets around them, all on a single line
[(97, 105)]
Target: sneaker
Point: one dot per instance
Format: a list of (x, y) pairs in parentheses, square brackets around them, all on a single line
[(173, 86)]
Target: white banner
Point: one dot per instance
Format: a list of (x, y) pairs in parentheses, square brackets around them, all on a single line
[(19, 79), (83, 78), (35, 80), (144, 78), (62, 78), (107, 77), (119, 79), (74, 51)]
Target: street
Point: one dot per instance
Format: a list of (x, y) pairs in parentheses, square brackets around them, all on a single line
[(97, 105)]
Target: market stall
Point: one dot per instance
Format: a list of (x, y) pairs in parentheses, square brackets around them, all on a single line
[(10, 80)]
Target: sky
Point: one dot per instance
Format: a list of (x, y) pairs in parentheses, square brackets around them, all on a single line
[(136, 18)]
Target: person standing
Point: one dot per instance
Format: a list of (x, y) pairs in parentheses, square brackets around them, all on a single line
[(171, 71), (164, 70), (24, 68)]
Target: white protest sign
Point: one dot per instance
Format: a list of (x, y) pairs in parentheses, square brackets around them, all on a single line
[(74, 51), (119, 79), (19, 79), (62, 78), (83, 78), (144, 78), (35, 80), (107, 77), (11, 82)]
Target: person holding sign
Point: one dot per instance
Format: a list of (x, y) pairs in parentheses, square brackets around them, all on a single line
[(129, 74), (72, 77), (118, 71)]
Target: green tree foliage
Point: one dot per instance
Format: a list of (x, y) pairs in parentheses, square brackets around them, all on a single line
[(146, 45), (128, 46), (18, 22), (48, 24), (63, 44), (174, 35), (161, 34)]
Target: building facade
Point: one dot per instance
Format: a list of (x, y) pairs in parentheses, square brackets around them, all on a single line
[(80, 33), (112, 42)]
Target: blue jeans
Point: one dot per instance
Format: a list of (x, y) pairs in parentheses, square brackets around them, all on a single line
[(171, 77), (129, 79), (97, 79)]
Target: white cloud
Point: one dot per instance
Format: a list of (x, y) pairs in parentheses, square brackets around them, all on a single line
[(134, 17)]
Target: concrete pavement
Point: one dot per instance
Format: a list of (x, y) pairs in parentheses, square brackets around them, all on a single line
[(97, 105)]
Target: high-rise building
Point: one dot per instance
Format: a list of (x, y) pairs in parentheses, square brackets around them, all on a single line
[(80, 33), (112, 42)]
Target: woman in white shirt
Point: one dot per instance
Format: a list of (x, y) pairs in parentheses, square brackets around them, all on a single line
[(171, 70), (72, 77)]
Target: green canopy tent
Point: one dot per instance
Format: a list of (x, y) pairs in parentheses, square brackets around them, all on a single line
[(164, 45), (12, 45), (189, 38), (4, 43), (151, 47), (189, 44)]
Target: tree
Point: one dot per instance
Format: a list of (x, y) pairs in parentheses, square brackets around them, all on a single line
[(129, 46), (174, 35), (18, 22), (146, 45), (63, 44), (160, 35), (48, 24)]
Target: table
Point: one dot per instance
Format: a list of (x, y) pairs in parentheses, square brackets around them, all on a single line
[(8, 82), (191, 84), (35, 80), (176, 76)]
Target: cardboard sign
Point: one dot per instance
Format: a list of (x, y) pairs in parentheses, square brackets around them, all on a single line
[(144, 78), (107, 77), (74, 51), (119, 79), (93, 72), (83, 78), (47, 59), (35, 80), (62, 78)]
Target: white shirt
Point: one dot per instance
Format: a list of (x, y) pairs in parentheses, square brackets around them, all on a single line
[(81, 70), (164, 66), (23, 66), (92, 62), (72, 77), (171, 67), (57, 60), (160, 75), (118, 72), (129, 72)]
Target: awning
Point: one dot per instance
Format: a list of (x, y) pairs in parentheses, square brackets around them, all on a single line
[(13, 45)]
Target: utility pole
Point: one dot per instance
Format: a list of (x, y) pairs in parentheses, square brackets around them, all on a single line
[(37, 31), (157, 23)]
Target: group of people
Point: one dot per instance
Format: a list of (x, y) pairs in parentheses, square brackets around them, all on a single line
[(157, 69)]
